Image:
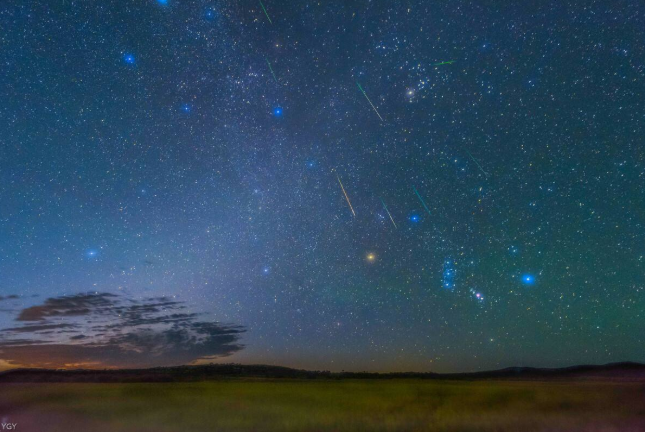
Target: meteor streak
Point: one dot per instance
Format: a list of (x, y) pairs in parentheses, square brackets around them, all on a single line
[(475, 160), (346, 197), (368, 99), (421, 199), (271, 69), (265, 12), (388, 213), (445, 62)]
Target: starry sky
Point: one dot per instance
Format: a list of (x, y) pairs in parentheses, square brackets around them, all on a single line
[(337, 185)]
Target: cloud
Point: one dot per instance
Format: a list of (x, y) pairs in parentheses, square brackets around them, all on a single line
[(9, 297), (101, 330), (20, 342), (76, 305), (37, 328)]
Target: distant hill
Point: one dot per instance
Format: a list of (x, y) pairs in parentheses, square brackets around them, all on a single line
[(625, 372)]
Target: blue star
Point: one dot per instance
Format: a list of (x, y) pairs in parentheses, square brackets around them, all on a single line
[(162, 2), (414, 218), (91, 253), (210, 14), (277, 111), (186, 108), (128, 58), (528, 279)]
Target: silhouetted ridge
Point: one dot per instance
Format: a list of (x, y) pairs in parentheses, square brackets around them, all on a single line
[(613, 372)]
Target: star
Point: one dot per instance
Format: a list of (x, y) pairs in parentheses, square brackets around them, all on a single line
[(528, 279), (414, 218), (277, 111), (370, 257), (128, 58), (209, 14), (91, 253)]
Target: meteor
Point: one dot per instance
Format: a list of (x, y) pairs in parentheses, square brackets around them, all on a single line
[(265, 12), (271, 69), (445, 62), (368, 99), (346, 197), (388, 213), (421, 199), (475, 160)]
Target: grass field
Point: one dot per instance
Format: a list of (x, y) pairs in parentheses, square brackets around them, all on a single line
[(321, 405)]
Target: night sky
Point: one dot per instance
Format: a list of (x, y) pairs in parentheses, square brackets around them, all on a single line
[(340, 185)]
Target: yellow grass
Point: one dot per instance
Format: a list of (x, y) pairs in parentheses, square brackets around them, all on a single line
[(322, 405)]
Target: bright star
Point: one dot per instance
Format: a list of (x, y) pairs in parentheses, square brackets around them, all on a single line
[(277, 111), (415, 218), (371, 257), (128, 58), (528, 279), (210, 14)]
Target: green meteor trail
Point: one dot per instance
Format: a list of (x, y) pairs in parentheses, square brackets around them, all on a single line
[(443, 63), (271, 69), (422, 201), (388, 213), (368, 99), (475, 160), (265, 12)]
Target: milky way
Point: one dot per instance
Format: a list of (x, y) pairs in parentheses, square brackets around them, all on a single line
[(193, 150)]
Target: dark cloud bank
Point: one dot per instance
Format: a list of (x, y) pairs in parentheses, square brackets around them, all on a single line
[(99, 330)]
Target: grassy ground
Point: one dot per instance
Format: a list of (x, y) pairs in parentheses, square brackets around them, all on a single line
[(387, 405)]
